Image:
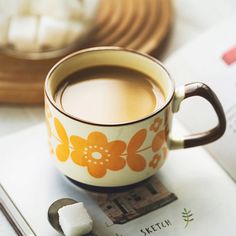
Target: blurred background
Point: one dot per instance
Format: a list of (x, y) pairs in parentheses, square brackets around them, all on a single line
[(36, 34)]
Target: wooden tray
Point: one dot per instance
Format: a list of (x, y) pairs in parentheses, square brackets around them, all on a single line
[(138, 24)]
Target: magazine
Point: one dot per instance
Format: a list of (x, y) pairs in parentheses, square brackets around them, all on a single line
[(191, 195)]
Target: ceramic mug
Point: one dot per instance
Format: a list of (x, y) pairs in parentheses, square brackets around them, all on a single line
[(128, 152)]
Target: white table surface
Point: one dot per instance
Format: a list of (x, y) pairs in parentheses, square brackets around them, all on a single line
[(191, 18)]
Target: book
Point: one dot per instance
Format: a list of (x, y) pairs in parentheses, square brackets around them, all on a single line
[(210, 59), (192, 194)]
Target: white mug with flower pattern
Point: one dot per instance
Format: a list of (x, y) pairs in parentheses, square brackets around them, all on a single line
[(120, 154)]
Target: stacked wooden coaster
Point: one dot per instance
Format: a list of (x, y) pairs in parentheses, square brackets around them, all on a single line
[(137, 24)]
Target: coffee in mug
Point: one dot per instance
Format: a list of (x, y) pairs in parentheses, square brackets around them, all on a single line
[(109, 94)]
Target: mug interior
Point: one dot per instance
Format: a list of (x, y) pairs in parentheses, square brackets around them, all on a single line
[(109, 56)]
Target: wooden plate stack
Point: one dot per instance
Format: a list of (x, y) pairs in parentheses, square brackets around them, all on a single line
[(137, 24)]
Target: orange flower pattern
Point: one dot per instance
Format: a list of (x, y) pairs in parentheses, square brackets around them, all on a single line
[(62, 150), (97, 154), (156, 124), (136, 161), (155, 161), (157, 158), (158, 140)]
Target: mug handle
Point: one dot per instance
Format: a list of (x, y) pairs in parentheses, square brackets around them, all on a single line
[(202, 90)]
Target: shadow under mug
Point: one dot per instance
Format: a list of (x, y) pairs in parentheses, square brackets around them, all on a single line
[(128, 152)]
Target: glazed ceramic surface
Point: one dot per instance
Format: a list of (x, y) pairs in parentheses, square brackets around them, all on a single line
[(113, 154)]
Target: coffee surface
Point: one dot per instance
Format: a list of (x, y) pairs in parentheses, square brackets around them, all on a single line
[(108, 95)]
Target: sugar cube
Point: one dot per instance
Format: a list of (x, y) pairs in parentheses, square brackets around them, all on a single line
[(89, 9), (4, 23), (53, 8), (52, 32), (75, 29), (11, 7), (39, 7), (74, 8), (22, 32), (75, 220)]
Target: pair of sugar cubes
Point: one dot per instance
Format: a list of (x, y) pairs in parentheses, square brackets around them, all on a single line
[(65, 9), (43, 24), (61, 9), (75, 220), (32, 33)]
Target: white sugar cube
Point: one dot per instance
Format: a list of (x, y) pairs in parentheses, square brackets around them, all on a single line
[(22, 32), (39, 7), (75, 29), (75, 220), (89, 9), (4, 23), (53, 8), (61, 9), (52, 32), (74, 8), (12, 7)]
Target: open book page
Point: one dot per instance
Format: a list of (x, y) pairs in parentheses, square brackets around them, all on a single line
[(205, 205), (6, 228), (210, 59)]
